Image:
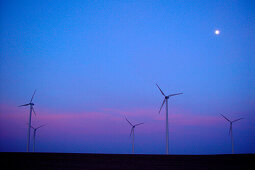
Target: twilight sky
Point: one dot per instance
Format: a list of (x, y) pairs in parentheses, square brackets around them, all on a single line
[(92, 62)]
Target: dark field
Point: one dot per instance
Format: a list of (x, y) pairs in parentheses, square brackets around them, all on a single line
[(20, 160)]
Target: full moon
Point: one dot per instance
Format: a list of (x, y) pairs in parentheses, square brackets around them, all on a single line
[(217, 32)]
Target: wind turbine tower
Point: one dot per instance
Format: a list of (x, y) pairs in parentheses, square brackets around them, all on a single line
[(230, 130), (167, 129), (29, 120), (133, 132), (35, 129)]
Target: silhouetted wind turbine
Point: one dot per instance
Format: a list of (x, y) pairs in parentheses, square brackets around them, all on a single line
[(35, 129), (230, 130), (29, 120), (166, 101), (133, 131)]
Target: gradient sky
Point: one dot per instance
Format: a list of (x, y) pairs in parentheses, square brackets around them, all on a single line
[(92, 62)]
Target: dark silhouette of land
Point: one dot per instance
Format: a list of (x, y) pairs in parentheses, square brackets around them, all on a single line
[(24, 160)]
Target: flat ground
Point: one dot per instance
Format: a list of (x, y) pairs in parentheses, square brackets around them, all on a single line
[(23, 160)]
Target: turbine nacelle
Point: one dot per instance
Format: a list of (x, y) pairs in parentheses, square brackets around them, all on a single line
[(166, 97), (230, 120), (230, 123), (30, 103), (36, 128), (133, 126)]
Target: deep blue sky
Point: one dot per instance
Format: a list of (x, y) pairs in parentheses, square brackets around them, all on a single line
[(101, 59)]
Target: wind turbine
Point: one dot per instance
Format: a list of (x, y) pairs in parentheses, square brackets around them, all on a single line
[(230, 130), (29, 120), (133, 132), (35, 129), (166, 101)]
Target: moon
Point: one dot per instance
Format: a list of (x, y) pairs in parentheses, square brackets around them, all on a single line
[(217, 32)]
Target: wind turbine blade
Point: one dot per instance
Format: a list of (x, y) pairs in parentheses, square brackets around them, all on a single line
[(128, 121), (40, 126), (32, 127), (161, 91), (132, 129), (33, 110), (237, 119), (162, 105), (32, 96), (225, 118), (23, 105), (174, 94), (138, 124)]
